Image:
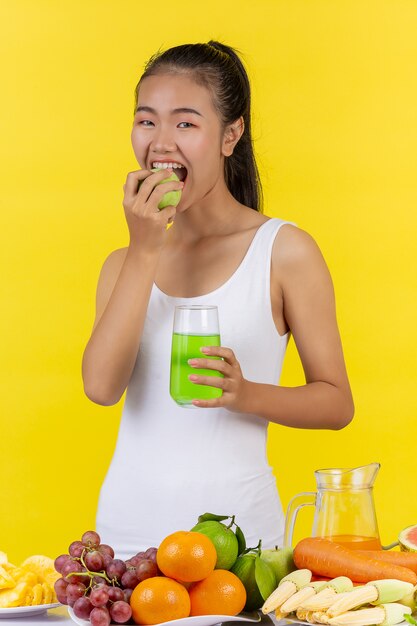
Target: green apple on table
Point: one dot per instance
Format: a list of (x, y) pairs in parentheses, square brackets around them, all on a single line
[(280, 560)]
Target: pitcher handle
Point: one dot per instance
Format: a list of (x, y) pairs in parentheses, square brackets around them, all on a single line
[(296, 503)]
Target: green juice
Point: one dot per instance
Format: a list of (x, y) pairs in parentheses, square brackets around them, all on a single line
[(185, 347)]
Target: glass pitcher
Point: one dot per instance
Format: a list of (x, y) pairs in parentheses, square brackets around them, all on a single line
[(344, 507)]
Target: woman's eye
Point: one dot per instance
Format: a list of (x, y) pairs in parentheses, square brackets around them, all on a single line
[(144, 122), (188, 124)]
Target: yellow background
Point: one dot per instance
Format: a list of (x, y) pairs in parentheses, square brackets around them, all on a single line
[(334, 105)]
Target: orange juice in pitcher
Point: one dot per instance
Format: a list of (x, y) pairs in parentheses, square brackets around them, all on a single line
[(344, 508), (357, 542)]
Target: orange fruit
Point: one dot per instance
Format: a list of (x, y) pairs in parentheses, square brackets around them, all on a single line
[(186, 556), (221, 593), (159, 599)]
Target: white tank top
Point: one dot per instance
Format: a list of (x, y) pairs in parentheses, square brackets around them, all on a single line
[(172, 464)]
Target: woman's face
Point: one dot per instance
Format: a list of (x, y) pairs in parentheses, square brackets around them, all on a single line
[(176, 122)]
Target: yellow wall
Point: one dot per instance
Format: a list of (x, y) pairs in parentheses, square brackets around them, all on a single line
[(334, 94)]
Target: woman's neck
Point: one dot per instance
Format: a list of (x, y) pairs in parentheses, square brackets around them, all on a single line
[(215, 214)]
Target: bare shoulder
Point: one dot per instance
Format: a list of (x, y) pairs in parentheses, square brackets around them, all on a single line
[(297, 256), (294, 246)]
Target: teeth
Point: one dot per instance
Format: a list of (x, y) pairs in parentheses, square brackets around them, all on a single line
[(166, 165)]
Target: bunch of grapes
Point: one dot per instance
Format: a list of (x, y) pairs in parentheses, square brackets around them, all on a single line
[(96, 585)]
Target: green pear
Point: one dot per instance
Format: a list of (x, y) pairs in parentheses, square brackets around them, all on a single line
[(171, 198), (281, 561)]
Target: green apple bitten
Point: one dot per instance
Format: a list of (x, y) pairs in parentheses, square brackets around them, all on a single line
[(171, 198)]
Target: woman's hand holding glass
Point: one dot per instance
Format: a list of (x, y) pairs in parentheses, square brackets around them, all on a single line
[(233, 385), (142, 194)]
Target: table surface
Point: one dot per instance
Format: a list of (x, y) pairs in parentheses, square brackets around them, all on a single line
[(60, 617), (53, 616)]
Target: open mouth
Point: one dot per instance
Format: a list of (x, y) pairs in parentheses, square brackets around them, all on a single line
[(179, 169)]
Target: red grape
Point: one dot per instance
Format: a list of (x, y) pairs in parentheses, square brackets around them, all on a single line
[(99, 596), (74, 591), (94, 561), (129, 579), (151, 554), (76, 549), (115, 594), (116, 568), (100, 617), (105, 549), (106, 559), (69, 568), (82, 608), (141, 554), (91, 539), (60, 587), (146, 569), (120, 612), (60, 562), (128, 592)]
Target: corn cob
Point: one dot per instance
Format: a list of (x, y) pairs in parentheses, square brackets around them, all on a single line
[(383, 615), (301, 596), (375, 592), (326, 596), (410, 600), (301, 612), (287, 587), (320, 617)]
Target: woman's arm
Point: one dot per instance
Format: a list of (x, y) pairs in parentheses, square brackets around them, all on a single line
[(302, 283), (123, 293), (124, 289)]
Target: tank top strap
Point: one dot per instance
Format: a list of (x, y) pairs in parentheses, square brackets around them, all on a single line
[(260, 251), (252, 281)]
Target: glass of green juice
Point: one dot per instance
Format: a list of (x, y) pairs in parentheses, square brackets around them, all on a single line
[(195, 326)]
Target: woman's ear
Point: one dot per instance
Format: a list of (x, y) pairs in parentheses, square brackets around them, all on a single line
[(231, 136)]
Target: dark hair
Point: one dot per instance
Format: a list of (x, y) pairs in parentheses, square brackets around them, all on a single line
[(219, 68)]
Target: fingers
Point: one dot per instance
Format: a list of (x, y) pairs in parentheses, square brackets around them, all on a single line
[(227, 366), (224, 353), (132, 181), (143, 183), (211, 364), (210, 381), (160, 190), (208, 404)]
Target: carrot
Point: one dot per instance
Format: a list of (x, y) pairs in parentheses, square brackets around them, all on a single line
[(326, 558), (405, 559)]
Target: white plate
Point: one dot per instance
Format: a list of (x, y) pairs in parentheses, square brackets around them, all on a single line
[(26, 611), (198, 620), (293, 620)]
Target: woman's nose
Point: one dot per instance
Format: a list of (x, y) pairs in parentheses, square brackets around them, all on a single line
[(163, 140)]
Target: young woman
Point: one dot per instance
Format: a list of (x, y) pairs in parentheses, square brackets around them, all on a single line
[(268, 278)]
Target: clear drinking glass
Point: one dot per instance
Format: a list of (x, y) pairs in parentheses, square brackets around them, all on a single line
[(194, 327)]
